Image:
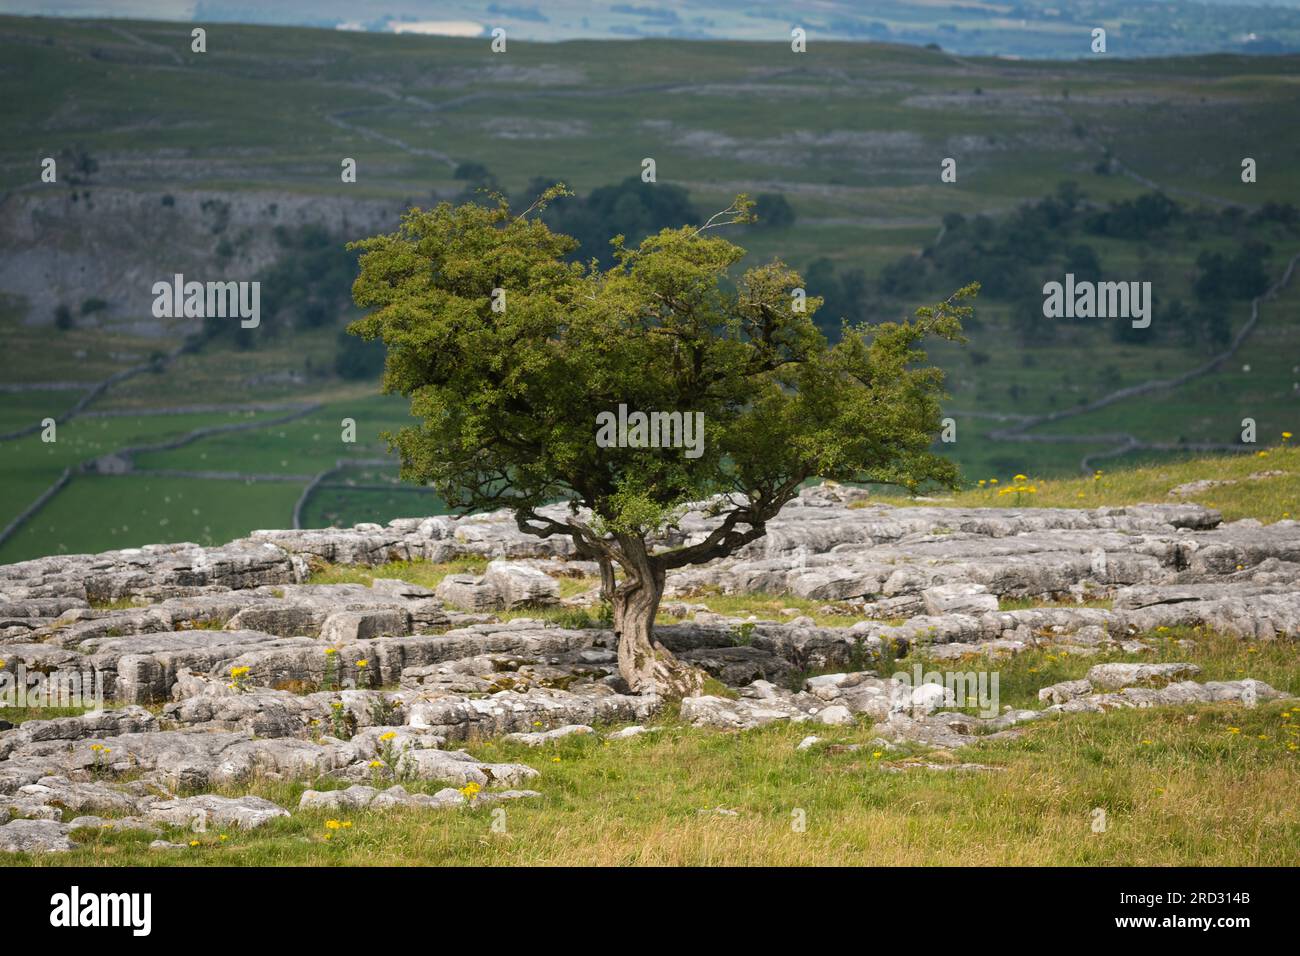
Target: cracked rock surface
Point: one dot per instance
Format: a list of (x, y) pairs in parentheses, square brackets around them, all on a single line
[(220, 665)]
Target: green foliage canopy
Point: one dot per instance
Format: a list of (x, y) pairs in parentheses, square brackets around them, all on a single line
[(507, 400)]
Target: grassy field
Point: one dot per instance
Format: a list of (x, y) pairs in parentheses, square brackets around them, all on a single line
[(30, 463), (136, 510), (343, 505), (1265, 497)]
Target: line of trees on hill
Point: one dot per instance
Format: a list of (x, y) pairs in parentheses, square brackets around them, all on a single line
[(631, 208), (1012, 256), (310, 285)]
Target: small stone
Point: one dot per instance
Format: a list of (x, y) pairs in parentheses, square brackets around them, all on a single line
[(539, 738), (836, 715), (928, 698)]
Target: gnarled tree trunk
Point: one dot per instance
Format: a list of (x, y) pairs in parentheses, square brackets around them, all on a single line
[(646, 665)]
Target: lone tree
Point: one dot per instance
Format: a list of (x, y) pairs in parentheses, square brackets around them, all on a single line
[(509, 352)]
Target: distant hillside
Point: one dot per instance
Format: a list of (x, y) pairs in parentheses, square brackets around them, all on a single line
[(1031, 29), (227, 164)]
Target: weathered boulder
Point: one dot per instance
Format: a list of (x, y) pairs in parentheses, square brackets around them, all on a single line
[(862, 693), (835, 715), (520, 585), (61, 795), (726, 714), (345, 627), (211, 810), (1115, 676), (1064, 691), (1245, 691), (737, 666), (459, 718), (540, 737), (959, 599), (459, 768), (359, 797), (176, 759), (504, 586), (35, 836)]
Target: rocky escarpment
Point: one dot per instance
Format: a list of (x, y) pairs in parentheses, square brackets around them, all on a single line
[(62, 245), (223, 664)]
